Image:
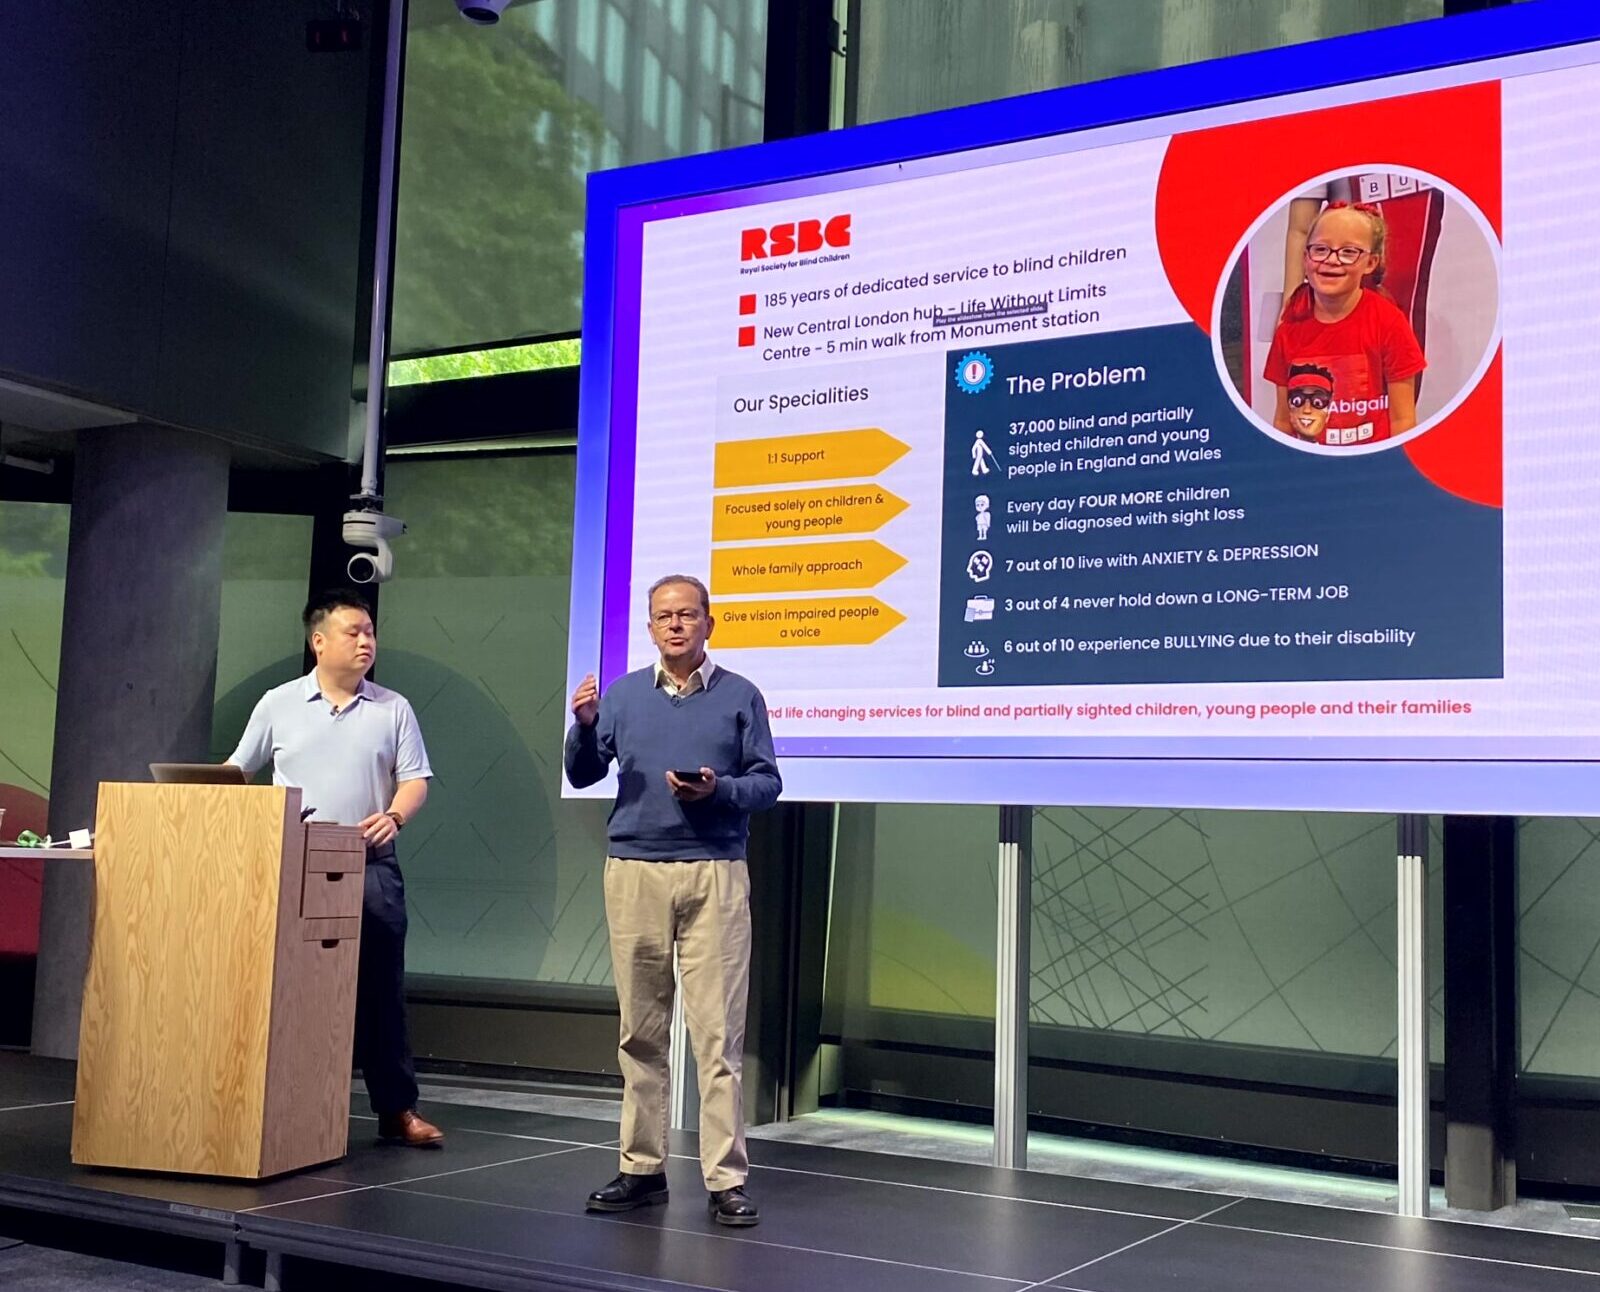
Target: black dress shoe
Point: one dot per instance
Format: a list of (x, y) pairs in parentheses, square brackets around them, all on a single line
[(733, 1207), (629, 1191)]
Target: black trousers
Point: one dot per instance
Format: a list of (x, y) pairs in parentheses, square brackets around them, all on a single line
[(383, 1042)]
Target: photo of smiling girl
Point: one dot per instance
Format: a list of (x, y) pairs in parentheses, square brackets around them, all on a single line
[(1354, 334)]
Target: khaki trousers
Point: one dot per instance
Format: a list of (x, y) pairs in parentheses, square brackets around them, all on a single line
[(702, 907)]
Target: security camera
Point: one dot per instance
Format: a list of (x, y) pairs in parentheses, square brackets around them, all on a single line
[(371, 529), (485, 13)]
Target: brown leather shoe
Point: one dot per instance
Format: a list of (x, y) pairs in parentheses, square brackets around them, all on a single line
[(409, 1129)]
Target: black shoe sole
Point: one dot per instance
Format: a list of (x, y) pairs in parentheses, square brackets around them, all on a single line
[(736, 1222), (648, 1200)]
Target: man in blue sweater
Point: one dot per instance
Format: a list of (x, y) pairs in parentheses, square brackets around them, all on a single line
[(694, 759)]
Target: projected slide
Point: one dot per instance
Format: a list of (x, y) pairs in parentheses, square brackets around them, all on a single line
[(1249, 432)]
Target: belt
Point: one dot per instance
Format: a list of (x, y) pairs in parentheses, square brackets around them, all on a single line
[(383, 852)]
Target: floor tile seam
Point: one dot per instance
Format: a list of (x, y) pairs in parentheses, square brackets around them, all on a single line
[(23, 1108), (646, 1280), (960, 1193), (315, 1197), (858, 1179), (1014, 1283), (865, 1179), (1413, 1251), (485, 1166), (538, 1139), (388, 1184), (1128, 1247)]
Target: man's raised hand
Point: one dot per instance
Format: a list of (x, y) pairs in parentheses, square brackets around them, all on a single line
[(586, 701)]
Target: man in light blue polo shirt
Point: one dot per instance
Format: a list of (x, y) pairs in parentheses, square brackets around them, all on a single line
[(355, 751)]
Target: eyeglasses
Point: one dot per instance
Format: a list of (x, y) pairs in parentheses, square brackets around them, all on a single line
[(686, 617), (1321, 251), (1318, 399)]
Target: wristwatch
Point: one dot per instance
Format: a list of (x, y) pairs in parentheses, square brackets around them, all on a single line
[(399, 821)]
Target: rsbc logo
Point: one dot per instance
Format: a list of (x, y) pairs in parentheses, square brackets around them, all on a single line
[(795, 237)]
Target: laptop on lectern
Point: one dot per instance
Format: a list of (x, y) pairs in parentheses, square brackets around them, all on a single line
[(198, 774)]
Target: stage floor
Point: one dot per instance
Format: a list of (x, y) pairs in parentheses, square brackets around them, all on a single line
[(501, 1206)]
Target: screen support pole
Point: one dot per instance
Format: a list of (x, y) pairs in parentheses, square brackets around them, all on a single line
[(1411, 912), (1014, 888)]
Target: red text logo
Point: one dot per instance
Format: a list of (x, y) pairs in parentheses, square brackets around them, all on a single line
[(797, 236)]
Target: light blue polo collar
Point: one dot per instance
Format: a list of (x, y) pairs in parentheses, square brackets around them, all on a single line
[(309, 690)]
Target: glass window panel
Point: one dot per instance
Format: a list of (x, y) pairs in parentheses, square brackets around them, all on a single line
[(914, 56), (704, 134), (1558, 944), (650, 90), (616, 48), (909, 984), (265, 562), (33, 567), (488, 200), (589, 30), (1272, 932), (674, 113), (912, 919), (543, 17), (708, 40), (503, 875)]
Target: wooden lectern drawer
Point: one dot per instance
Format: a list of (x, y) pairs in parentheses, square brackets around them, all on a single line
[(334, 848), (330, 894), (334, 863), (331, 930)]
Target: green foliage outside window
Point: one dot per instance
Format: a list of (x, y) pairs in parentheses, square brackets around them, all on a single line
[(492, 170)]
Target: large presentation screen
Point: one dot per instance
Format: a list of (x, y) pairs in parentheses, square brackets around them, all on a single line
[(1210, 437)]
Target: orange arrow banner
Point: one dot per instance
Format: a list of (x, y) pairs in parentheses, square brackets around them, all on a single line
[(813, 621), (829, 455), (802, 567), (803, 513)]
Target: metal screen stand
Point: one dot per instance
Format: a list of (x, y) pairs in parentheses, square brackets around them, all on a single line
[(1411, 948), (1013, 924)]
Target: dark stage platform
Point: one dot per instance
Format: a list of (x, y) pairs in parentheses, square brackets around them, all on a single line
[(502, 1207)]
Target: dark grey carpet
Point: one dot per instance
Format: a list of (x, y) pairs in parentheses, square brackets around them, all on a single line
[(25, 1268)]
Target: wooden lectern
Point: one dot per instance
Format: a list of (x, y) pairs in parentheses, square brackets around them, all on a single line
[(219, 1009)]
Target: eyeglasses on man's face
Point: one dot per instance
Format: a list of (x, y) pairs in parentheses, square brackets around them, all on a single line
[(662, 618), (1321, 251)]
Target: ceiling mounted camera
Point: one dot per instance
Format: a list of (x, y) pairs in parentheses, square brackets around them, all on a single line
[(485, 13)]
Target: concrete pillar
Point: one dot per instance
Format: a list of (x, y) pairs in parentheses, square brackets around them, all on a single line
[(138, 660)]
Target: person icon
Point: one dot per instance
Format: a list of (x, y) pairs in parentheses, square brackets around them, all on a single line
[(981, 504), (983, 459), (979, 565)]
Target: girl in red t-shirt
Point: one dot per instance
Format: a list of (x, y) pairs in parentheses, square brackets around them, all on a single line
[(1358, 335)]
